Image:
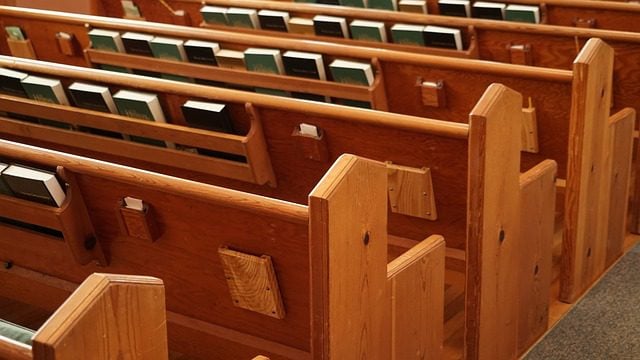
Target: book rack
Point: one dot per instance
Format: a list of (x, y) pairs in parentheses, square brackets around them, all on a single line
[(469, 53), (71, 218), (371, 94), (253, 147), (21, 48)]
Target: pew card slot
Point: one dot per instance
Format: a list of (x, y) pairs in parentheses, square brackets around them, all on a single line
[(21, 48), (257, 168), (373, 94), (139, 222), (71, 219)]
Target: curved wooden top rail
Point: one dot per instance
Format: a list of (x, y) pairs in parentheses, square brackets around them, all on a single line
[(289, 44), (397, 16), (198, 191), (378, 118)]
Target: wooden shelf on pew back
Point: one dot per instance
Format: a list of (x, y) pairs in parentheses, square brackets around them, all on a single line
[(71, 219), (470, 53), (374, 93), (256, 170)]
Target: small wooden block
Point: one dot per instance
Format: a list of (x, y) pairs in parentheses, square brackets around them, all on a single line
[(66, 43), (529, 131), (521, 54), (584, 23), (140, 224), (21, 48), (252, 282), (411, 191), (433, 93), (181, 17), (312, 147)]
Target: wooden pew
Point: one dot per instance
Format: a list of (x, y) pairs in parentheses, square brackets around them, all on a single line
[(281, 287), (106, 315), (549, 89), (449, 178)]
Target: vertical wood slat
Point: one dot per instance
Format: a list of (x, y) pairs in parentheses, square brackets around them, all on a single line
[(493, 225), (588, 171), (348, 242), (416, 282), (535, 250), (107, 314), (623, 124)]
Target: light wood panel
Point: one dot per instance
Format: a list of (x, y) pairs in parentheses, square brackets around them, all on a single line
[(493, 225)]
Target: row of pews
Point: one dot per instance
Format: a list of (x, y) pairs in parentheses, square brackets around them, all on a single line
[(318, 246)]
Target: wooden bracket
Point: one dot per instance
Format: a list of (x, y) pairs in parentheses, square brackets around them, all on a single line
[(377, 89), (529, 130), (252, 282), (67, 43), (411, 191), (139, 224), (432, 93), (521, 54), (584, 23), (310, 146), (21, 48)]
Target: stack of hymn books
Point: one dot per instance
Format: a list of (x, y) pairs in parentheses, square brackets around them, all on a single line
[(107, 40), (32, 184), (265, 61), (47, 90), (96, 98), (436, 36), (351, 72), (144, 106), (307, 65)]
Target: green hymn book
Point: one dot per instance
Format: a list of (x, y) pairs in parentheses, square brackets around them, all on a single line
[(169, 49), (214, 15), (47, 90), (354, 3), (355, 73), (107, 40), (144, 106), (408, 34), (265, 61), (368, 30), (522, 13), (246, 18), (383, 4)]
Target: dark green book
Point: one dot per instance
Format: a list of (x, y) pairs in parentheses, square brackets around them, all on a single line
[(96, 98), (460, 8), (214, 15), (47, 90), (330, 26), (328, 2), (522, 13), (355, 73), (144, 106), (169, 49), (274, 20), (139, 44), (11, 84), (34, 185), (201, 52), (4, 188), (408, 34), (354, 3), (488, 10), (368, 30), (444, 37), (307, 65), (245, 18), (383, 4), (266, 61), (107, 40)]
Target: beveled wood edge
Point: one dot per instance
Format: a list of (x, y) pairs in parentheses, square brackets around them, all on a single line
[(532, 175), (414, 254), (324, 47), (621, 115), (189, 189), (379, 118)]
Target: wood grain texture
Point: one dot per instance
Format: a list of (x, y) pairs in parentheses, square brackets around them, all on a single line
[(589, 172), (623, 124), (493, 225), (416, 281), (127, 311), (348, 240), (253, 284), (535, 245), (411, 191)]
